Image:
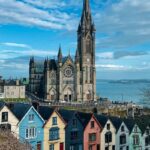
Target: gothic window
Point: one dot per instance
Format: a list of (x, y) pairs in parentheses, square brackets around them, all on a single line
[(88, 45)]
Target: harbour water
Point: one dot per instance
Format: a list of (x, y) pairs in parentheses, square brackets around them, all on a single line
[(122, 90)]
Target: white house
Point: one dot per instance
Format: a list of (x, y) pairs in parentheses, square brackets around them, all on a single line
[(8, 120), (108, 135), (122, 140)]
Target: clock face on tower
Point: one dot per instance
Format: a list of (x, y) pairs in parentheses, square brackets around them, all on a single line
[(68, 72)]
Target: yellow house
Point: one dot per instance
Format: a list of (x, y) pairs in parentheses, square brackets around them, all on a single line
[(54, 132)]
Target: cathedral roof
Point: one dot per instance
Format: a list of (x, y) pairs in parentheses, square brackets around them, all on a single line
[(39, 66), (53, 64)]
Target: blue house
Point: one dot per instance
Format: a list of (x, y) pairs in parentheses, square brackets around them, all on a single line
[(30, 125), (75, 130)]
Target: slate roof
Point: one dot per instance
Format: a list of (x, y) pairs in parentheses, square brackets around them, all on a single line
[(101, 119), (84, 118), (143, 122), (45, 112), (116, 122), (19, 109), (66, 114), (53, 65), (39, 66), (129, 123), (1, 104)]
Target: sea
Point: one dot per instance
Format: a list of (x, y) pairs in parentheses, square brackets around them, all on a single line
[(122, 90)]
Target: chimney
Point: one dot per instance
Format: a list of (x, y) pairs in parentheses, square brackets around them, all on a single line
[(17, 82), (36, 105)]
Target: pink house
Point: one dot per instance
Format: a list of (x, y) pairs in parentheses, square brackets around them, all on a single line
[(91, 136)]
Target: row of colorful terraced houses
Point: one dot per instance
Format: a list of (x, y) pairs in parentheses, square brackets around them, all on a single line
[(46, 128)]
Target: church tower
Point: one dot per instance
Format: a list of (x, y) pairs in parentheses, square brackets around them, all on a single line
[(86, 49)]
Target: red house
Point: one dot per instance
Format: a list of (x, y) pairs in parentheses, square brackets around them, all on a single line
[(91, 136)]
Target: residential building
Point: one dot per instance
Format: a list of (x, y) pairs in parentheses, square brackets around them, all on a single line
[(66, 78), (108, 135), (8, 121), (13, 89), (92, 135), (54, 132), (135, 138), (30, 125), (122, 134), (75, 131)]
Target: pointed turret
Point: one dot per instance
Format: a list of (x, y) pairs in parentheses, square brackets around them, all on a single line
[(31, 59), (46, 64), (60, 55)]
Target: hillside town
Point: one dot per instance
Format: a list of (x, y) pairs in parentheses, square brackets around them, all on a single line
[(57, 106)]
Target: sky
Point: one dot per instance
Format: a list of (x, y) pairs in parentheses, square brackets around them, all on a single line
[(37, 28)]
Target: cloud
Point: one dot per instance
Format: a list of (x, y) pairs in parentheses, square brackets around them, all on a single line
[(16, 45), (126, 23), (120, 54), (19, 12), (111, 67)]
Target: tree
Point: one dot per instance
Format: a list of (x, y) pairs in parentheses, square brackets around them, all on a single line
[(9, 142)]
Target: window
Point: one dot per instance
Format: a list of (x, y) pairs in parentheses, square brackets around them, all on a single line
[(74, 122), (113, 147), (54, 134), (136, 140), (122, 129), (4, 116), (72, 147), (108, 126), (106, 148), (30, 133), (127, 148), (92, 124), (54, 121), (123, 139), (136, 129), (92, 137), (147, 140), (51, 147), (90, 147), (74, 135), (108, 137), (31, 117)]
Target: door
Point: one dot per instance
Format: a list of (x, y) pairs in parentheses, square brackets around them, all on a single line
[(61, 146), (39, 146)]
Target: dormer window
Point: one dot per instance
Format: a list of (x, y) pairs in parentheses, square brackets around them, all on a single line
[(4, 116), (31, 117), (74, 122), (108, 126), (136, 129), (54, 121), (122, 129), (92, 124)]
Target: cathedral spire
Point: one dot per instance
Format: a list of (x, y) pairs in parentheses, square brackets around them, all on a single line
[(86, 18), (59, 54)]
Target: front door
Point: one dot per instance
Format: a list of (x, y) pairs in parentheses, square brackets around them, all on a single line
[(61, 146), (39, 146)]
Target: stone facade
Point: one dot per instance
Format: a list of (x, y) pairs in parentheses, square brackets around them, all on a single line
[(67, 78), (13, 89)]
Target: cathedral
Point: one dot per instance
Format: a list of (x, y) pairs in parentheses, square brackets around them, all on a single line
[(66, 78)]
